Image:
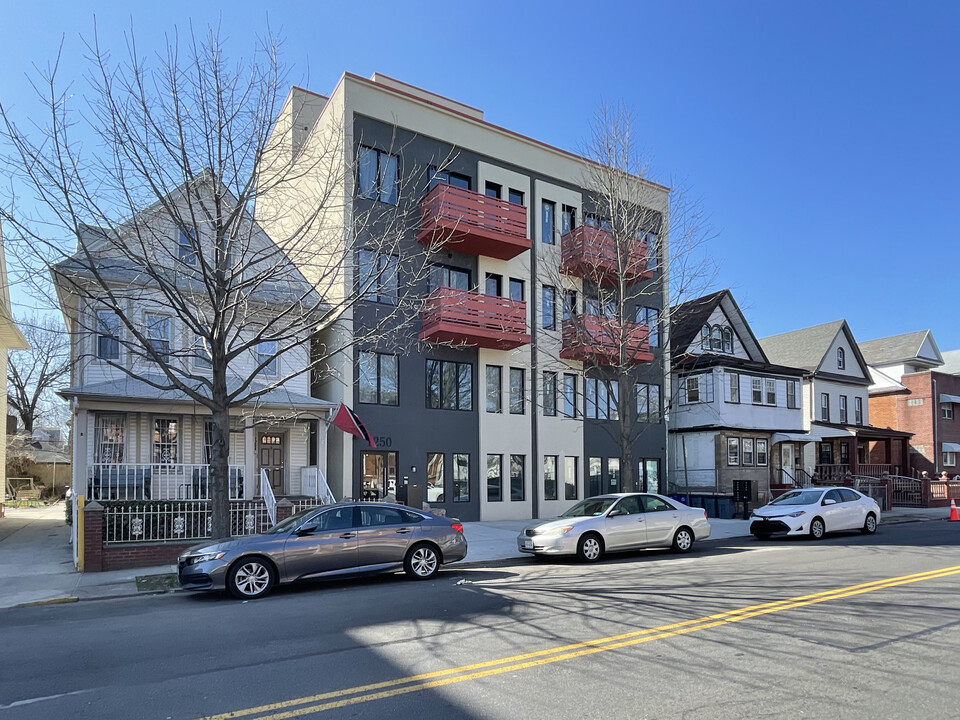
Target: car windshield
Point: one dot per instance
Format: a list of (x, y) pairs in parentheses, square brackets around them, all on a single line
[(798, 497), (290, 523), (590, 506)]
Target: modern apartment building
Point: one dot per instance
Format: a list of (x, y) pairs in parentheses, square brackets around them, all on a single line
[(494, 399)]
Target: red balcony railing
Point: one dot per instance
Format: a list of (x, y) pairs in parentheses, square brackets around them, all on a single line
[(591, 253), (473, 223), (460, 317), (590, 338)]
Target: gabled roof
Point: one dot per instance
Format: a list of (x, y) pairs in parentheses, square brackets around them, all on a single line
[(951, 362), (901, 348), (802, 348), (686, 320), (806, 348)]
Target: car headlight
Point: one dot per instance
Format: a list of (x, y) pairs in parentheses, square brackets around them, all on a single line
[(798, 513), (554, 532), (203, 557)]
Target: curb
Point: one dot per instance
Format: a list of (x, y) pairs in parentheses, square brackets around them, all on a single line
[(49, 601)]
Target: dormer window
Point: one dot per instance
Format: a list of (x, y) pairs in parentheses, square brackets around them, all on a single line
[(841, 359), (716, 338), (705, 337), (727, 340), (186, 248)]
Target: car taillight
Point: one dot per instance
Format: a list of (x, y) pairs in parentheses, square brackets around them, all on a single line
[(458, 527), (704, 514)]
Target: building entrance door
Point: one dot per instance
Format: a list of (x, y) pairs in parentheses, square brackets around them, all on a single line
[(270, 457), (379, 479), (651, 476), (787, 458)]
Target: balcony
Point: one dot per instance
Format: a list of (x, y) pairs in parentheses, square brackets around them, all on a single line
[(461, 317), (591, 253), (473, 223), (590, 338)]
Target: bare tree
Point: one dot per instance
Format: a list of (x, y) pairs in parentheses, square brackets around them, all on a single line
[(639, 250), (33, 375), (187, 146)]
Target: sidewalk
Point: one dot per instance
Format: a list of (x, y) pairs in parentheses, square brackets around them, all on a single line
[(36, 560)]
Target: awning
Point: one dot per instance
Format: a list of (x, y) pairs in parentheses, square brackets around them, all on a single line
[(793, 437), (830, 432), (949, 398), (951, 447)]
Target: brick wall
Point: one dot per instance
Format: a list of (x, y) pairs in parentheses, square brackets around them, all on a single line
[(918, 419)]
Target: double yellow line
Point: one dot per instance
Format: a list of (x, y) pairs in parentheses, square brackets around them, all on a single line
[(414, 683)]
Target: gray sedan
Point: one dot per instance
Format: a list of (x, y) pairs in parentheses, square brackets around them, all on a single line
[(341, 539), (610, 523)]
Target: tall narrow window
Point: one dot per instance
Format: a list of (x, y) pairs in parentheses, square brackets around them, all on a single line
[(165, 441), (733, 385), (756, 388), (858, 410), (595, 482), (761, 451), (651, 318), (515, 196), (516, 391), (770, 391), (569, 304), (108, 335), (493, 285), (569, 395), (267, 359), (461, 477), (108, 438), (548, 307), (648, 403), (613, 474), (547, 218), (516, 289), (692, 385), (494, 389), (379, 378), (733, 451), (727, 340), (570, 480), (568, 219), (653, 252), (186, 248), (746, 451), (843, 408), (158, 333), (435, 481), (517, 484), (377, 175), (705, 337), (792, 394), (825, 407), (841, 359), (549, 393), (549, 477), (494, 478)]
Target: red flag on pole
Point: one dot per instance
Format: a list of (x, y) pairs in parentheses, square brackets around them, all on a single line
[(348, 421)]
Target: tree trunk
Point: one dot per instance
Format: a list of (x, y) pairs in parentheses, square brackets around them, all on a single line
[(219, 470), (627, 466)]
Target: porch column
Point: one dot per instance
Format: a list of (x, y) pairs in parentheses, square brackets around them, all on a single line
[(251, 480), (322, 425)]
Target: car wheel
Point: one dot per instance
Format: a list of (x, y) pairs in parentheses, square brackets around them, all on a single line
[(869, 525), (422, 562), (683, 540), (761, 536), (817, 529), (589, 548), (251, 578)]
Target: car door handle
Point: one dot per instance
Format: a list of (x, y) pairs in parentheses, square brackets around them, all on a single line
[(348, 535), (403, 531)]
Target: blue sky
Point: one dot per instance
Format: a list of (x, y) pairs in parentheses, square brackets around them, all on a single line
[(821, 137)]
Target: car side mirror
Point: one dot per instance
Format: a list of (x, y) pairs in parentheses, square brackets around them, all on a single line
[(617, 512), (829, 501), (305, 530)]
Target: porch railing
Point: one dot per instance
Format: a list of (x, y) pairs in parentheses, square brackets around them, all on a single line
[(266, 492), (155, 481), (177, 520)]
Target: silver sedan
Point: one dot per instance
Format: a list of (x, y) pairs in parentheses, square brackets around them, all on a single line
[(616, 522), (342, 539)]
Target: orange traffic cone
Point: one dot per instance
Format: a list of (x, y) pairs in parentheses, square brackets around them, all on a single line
[(954, 517)]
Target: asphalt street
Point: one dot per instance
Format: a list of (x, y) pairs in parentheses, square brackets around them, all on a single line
[(849, 626)]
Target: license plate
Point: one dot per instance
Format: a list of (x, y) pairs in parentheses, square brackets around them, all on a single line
[(528, 544)]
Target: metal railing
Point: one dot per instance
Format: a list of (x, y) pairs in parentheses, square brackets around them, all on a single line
[(156, 481), (326, 494), (266, 492), (177, 520)]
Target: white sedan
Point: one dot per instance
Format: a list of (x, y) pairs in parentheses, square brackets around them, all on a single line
[(815, 512), (616, 522)]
